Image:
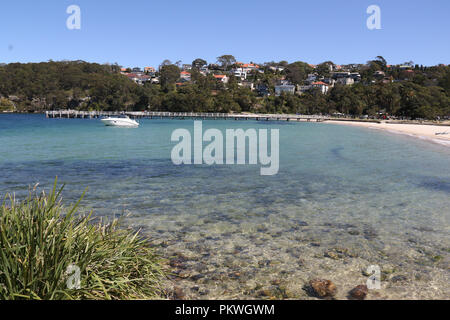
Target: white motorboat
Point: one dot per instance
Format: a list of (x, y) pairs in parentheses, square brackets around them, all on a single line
[(123, 121)]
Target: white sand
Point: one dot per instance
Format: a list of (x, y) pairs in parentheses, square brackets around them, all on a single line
[(427, 132)]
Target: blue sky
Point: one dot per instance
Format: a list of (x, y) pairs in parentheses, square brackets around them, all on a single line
[(145, 32)]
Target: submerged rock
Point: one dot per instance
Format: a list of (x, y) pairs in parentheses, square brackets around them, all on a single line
[(177, 263), (323, 288), (399, 278), (370, 234), (332, 255), (178, 294), (339, 253), (359, 292), (272, 292)]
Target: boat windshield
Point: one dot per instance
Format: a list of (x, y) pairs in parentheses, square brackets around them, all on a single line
[(121, 116)]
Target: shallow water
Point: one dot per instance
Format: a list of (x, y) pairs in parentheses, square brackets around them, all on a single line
[(345, 198)]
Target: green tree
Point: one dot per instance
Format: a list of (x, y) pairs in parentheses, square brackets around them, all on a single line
[(168, 75), (298, 71), (226, 60), (199, 63)]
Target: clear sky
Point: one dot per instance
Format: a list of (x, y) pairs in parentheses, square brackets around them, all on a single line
[(145, 32)]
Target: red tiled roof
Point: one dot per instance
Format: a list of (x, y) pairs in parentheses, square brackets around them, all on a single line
[(249, 65), (219, 76), (319, 83)]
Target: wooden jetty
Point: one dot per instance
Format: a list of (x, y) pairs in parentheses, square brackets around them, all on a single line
[(183, 115)]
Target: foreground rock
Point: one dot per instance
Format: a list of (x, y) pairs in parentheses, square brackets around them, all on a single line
[(359, 292), (323, 288)]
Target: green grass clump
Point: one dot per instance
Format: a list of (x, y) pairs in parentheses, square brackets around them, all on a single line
[(40, 239)]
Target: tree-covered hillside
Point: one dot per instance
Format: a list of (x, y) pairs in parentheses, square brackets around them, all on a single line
[(60, 85), (423, 92)]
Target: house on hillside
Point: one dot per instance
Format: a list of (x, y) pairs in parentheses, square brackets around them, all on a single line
[(329, 81), (247, 67), (346, 78), (149, 70), (276, 69), (345, 81), (221, 77), (356, 76), (287, 88), (338, 75), (184, 75), (186, 67), (322, 86), (204, 70), (239, 73), (138, 78)]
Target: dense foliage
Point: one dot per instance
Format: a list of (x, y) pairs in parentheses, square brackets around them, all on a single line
[(41, 242), (422, 93)]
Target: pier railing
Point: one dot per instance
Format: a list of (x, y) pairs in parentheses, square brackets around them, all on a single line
[(182, 115)]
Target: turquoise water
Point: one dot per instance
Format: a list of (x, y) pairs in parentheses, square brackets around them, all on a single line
[(344, 198)]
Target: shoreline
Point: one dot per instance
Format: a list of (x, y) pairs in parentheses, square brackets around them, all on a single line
[(425, 131), (422, 131)]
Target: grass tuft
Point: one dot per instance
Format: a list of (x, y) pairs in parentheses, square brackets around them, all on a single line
[(40, 239)]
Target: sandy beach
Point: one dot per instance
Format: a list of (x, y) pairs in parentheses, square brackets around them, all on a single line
[(427, 132)]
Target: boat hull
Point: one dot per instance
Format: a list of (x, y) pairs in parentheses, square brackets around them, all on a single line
[(119, 122)]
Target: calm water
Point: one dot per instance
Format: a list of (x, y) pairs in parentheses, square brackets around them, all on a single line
[(344, 198)]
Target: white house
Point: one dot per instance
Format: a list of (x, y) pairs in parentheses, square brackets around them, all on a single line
[(247, 67), (322, 86), (240, 73), (275, 69)]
